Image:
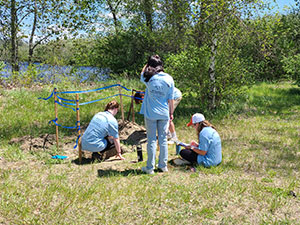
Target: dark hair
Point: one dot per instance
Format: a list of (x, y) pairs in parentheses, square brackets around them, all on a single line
[(111, 105), (154, 66)]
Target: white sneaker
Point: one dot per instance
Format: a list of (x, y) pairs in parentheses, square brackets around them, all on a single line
[(165, 169), (145, 170), (173, 140), (181, 162)]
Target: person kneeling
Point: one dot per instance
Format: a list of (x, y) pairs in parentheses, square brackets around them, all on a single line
[(209, 151), (102, 135)]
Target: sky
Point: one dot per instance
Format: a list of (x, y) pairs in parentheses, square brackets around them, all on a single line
[(282, 4)]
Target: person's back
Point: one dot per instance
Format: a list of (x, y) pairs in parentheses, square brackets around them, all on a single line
[(102, 125), (158, 92), (157, 108), (210, 140)]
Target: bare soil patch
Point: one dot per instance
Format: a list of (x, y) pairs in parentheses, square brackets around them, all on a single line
[(131, 134)]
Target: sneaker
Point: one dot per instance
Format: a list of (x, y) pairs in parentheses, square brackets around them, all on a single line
[(173, 140), (145, 170), (181, 162), (165, 169), (96, 156)]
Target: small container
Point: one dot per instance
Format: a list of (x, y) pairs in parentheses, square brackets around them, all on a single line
[(139, 151), (178, 148)]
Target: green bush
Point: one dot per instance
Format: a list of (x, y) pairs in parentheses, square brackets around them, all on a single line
[(190, 72), (122, 52), (291, 67)]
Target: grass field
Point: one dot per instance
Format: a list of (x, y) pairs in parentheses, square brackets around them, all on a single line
[(257, 182)]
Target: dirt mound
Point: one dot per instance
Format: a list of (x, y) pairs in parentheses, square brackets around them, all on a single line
[(131, 134)]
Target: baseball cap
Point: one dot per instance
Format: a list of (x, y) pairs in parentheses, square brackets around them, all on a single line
[(196, 118)]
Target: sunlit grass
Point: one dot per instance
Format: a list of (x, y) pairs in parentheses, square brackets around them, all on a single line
[(257, 182)]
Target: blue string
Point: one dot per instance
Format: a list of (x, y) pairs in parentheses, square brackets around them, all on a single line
[(125, 88), (74, 92), (48, 97), (64, 99), (98, 89), (64, 105), (67, 103), (57, 124), (132, 96), (77, 141), (85, 103)]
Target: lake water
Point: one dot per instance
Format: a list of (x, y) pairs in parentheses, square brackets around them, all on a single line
[(53, 74)]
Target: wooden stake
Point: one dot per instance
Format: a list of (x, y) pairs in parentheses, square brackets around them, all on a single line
[(132, 108), (56, 114), (78, 125), (121, 104)]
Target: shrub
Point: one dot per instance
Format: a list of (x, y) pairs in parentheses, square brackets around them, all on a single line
[(291, 67)]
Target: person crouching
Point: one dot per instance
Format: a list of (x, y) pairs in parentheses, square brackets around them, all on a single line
[(102, 135)]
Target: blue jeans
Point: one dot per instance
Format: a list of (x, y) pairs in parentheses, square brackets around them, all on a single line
[(161, 126)]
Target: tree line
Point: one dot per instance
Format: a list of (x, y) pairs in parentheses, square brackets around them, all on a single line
[(211, 47)]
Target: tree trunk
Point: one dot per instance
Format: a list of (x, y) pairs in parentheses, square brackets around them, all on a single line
[(212, 73), (30, 47), (113, 11), (199, 33), (148, 14), (14, 41)]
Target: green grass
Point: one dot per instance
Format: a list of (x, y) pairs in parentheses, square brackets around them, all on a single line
[(253, 185)]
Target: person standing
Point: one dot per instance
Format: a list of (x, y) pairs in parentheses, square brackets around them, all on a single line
[(102, 134), (172, 133), (209, 150), (158, 110)]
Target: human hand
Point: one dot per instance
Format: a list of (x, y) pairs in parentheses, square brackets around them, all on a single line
[(171, 117), (194, 143), (120, 156)]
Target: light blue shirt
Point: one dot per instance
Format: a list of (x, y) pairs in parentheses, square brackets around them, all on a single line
[(160, 89), (177, 93), (103, 124), (210, 141)]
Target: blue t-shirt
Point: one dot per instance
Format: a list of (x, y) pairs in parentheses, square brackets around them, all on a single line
[(177, 93), (210, 141), (103, 124), (160, 89)]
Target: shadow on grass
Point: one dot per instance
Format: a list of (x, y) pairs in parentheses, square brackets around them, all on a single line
[(83, 162), (125, 173)]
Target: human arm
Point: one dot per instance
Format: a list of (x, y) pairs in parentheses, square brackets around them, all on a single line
[(171, 108), (143, 70), (142, 79), (195, 147), (113, 131), (198, 151), (118, 148)]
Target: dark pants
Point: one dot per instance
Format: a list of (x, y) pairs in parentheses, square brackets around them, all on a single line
[(110, 144), (189, 155)]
